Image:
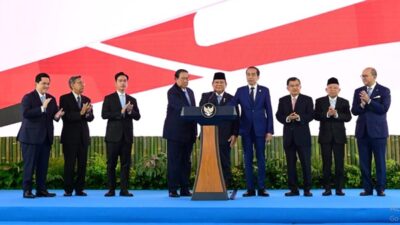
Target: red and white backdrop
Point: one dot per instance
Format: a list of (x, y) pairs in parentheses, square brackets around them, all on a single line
[(149, 40)]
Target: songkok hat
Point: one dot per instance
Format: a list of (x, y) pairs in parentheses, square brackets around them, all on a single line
[(333, 80), (219, 76)]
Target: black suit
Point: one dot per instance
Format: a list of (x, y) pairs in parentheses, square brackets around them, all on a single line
[(36, 137), (297, 137), (332, 137), (75, 139), (119, 137), (225, 130), (180, 135)]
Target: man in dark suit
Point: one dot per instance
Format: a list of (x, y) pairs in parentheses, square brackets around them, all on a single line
[(180, 135), (75, 136), (256, 127), (227, 130), (119, 109), (332, 111), (371, 103), (39, 109), (295, 112)]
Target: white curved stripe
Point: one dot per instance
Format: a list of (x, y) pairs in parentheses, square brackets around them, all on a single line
[(234, 19)]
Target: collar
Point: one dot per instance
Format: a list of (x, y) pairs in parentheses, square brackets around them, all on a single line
[(222, 94), (120, 93), (75, 95), (372, 86), (40, 95), (255, 86), (296, 97), (332, 99)]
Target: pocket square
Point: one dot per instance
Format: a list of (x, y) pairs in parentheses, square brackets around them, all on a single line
[(378, 96)]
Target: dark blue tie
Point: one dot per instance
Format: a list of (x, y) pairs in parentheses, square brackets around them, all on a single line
[(252, 95)]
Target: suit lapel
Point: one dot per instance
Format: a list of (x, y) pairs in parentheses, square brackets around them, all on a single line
[(116, 100)]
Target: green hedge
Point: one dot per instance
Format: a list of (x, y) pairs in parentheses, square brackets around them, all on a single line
[(149, 164)]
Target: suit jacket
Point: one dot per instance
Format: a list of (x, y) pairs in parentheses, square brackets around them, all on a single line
[(297, 131), (257, 116), (372, 118), (37, 126), (175, 127), (75, 126), (119, 125), (332, 129), (226, 128)]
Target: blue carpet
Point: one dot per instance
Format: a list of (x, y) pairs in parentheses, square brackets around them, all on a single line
[(155, 207)]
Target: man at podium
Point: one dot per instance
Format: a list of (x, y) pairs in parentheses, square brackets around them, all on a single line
[(227, 130), (180, 135)]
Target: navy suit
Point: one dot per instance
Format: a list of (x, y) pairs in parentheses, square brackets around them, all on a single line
[(371, 134), (255, 122), (180, 135), (297, 138), (332, 137), (75, 138), (36, 137), (225, 130)]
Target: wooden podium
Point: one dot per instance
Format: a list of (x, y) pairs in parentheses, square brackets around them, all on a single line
[(209, 184)]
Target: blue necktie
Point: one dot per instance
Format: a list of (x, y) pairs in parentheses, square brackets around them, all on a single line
[(219, 97), (78, 100), (369, 91), (332, 102), (187, 97), (122, 100), (252, 95), (42, 99)]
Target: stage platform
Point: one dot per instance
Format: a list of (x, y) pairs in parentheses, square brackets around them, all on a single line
[(155, 207)]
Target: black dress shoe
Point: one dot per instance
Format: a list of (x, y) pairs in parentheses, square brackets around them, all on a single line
[(249, 193), (262, 193), (381, 194), (307, 193), (366, 193), (173, 194), (339, 193), (45, 194), (292, 193), (186, 193), (28, 194), (67, 194), (233, 194), (110, 193), (80, 193), (327, 193), (125, 193)]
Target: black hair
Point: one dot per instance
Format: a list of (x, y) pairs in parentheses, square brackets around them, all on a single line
[(121, 74), (39, 77), (178, 72)]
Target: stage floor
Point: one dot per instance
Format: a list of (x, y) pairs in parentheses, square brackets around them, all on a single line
[(154, 207)]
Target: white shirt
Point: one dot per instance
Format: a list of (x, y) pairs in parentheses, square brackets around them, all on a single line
[(254, 91)]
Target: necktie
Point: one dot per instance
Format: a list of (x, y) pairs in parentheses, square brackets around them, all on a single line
[(369, 91), (187, 97), (293, 102), (42, 98), (252, 95), (122, 100), (219, 97), (332, 103), (78, 100)]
